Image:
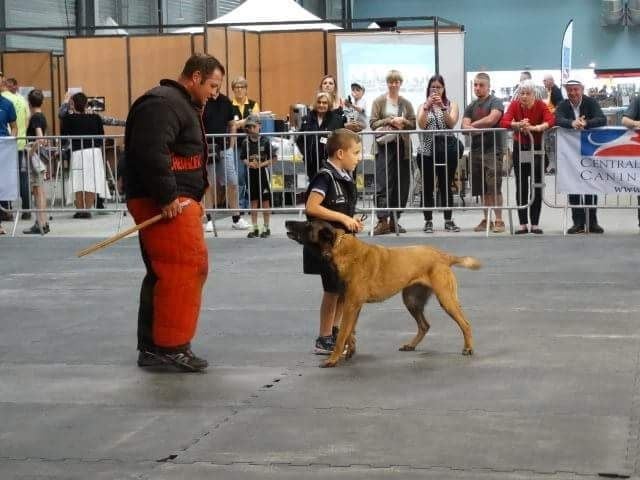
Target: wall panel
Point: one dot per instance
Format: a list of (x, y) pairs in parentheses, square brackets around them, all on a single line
[(198, 43), (32, 69), (99, 67), (332, 66), (153, 58), (292, 64), (252, 56), (217, 46), (235, 56)]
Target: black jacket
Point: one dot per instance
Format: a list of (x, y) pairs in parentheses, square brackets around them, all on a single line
[(312, 148), (556, 95), (341, 197), (165, 146), (589, 108)]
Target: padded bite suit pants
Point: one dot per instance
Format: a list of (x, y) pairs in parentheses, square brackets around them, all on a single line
[(176, 258)]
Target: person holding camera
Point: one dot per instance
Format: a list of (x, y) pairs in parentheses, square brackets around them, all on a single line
[(438, 155), (355, 109)]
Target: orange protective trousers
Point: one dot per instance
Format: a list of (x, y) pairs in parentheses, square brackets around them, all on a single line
[(176, 258)]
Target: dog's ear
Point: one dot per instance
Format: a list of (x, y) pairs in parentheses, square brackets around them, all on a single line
[(326, 240), (293, 225), (327, 235)]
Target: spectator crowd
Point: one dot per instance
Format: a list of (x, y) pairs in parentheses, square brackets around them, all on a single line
[(240, 159)]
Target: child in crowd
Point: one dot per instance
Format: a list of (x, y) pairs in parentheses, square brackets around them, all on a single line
[(331, 196), (37, 128), (357, 102), (258, 155)]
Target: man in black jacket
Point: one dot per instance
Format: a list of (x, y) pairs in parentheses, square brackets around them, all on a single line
[(166, 173), (580, 112), (553, 92)]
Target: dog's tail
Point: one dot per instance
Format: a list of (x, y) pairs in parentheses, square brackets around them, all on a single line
[(471, 263)]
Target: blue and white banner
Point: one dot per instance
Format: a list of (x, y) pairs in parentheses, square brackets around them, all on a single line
[(603, 160), (8, 168)]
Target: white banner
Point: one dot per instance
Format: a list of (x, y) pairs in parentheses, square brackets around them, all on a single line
[(565, 55), (603, 160), (8, 168)]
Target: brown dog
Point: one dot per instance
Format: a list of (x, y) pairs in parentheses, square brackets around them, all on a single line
[(373, 273)]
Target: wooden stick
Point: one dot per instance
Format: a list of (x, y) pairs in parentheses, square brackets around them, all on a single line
[(118, 236)]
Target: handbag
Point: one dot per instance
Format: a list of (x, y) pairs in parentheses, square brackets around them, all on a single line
[(37, 165), (383, 135)]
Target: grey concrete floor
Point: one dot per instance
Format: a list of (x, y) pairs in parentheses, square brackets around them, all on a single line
[(553, 390)]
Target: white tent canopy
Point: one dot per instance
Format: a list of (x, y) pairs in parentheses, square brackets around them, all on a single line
[(250, 12), (110, 22)]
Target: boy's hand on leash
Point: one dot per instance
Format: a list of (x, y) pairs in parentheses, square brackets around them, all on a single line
[(352, 224)]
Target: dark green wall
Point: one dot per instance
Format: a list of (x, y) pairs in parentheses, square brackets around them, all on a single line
[(514, 34)]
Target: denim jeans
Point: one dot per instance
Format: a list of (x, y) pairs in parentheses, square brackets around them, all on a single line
[(243, 191)]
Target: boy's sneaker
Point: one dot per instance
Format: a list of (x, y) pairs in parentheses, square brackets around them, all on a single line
[(428, 227), (149, 359), (241, 224), (449, 226), (265, 233), (324, 345), (185, 361), (209, 227), (254, 233)]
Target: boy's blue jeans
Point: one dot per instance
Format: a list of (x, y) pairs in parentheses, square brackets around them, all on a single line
[(243, 191)]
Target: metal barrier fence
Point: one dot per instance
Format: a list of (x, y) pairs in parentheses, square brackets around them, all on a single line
[(389, 179), (590, 202), (444, 170), (67, 174)]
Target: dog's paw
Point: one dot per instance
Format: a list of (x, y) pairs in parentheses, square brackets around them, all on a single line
[(407, 348), (467, 351), (329, 364)]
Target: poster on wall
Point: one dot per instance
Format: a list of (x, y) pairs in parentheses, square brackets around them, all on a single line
[(367, 58), (567, 47)]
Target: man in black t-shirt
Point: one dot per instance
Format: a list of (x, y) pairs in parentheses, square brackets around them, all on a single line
[(218, 118)]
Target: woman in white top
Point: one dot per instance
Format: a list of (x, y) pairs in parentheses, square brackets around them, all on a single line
[(438, 113)]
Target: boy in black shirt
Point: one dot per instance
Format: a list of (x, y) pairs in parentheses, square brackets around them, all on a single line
[(258, 155), (331, 196), (37, 128)]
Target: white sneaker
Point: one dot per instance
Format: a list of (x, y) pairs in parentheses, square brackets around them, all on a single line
[(240, 224), (209, 227)]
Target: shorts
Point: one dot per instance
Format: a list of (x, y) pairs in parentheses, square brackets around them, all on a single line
[(36, 179), (259, 185), (226, 170), (331, 283), (486, 173), (314, 264)]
